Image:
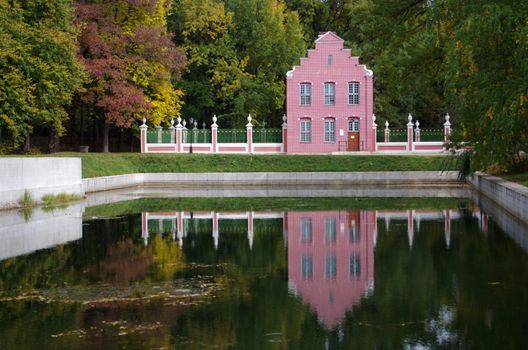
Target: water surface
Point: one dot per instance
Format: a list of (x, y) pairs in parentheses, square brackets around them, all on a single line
[(304, 273)]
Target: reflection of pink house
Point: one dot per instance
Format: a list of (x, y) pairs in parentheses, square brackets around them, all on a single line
[(329, 103), (331, 260)]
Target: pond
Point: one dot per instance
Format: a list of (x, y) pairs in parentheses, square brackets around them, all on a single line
[(264, 273)]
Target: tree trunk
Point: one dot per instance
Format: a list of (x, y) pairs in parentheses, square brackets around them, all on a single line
[(53, 141), (131, 139), (105, 137), (81, 127), (27, 144), (96, 136)]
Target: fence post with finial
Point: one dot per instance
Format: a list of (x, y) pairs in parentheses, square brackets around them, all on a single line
[(417, 132), (179, 128), (410, 136), (387, 131), (447, 129), (143, 136), (172, 132), (214, 135), (249, 131), (284, 134), (374, 133)]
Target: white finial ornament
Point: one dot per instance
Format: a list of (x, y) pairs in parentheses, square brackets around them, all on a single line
[(184, 123), (447, 122), (410, 120), (374, 120), (179, 119), (387, 124), (417, 124), (214, 120), (172, 122), (144, 121), (249, 120)]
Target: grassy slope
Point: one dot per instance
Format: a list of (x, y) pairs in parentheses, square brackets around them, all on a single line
[(99, 164)]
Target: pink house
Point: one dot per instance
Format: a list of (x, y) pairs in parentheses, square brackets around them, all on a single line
[(329, 101)]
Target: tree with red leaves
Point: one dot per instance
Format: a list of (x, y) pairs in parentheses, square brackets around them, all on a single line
[(131, 60)]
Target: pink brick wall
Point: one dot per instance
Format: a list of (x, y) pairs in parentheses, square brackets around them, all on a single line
[(315, 70)]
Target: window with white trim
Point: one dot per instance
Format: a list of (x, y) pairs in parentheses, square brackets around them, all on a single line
[(355, 266), (306, 267), (306, 230), (306, 131), (306, 94), (353, 93), (329, 93), (353, 125), (329, 130), (330, 267), (329, 60), (330, 230)]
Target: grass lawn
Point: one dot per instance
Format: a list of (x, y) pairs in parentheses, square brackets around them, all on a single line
[(521, 178), (104, 164)]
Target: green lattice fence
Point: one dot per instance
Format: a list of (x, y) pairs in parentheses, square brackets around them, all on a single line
[(267, 135), (431, 135), (196, 136), (232, 136)]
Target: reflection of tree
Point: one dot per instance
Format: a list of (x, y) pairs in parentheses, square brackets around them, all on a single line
[(168, 257), (125, 262)]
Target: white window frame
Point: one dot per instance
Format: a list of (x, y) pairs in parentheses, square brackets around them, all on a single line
[(355, 266), (329, 130), (329, 60), (306, 267), (306, 230), (304, 95), (353, 124), (330, 266), (353, 93), (306, 131), (329, 93), (330, 230)]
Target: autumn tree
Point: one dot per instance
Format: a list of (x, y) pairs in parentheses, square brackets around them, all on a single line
[(132, 62)]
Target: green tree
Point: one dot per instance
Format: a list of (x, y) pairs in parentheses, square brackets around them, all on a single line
[(38, 65)]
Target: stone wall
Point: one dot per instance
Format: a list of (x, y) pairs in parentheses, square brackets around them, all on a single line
[(39, 176), (509, 195)]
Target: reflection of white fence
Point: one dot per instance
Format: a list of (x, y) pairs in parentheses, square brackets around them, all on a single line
[(413, 217)]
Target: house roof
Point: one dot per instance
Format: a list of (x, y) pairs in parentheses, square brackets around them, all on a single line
[(328, 37)]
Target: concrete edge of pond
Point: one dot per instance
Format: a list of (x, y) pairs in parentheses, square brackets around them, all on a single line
[(511, 196), (388, 178)]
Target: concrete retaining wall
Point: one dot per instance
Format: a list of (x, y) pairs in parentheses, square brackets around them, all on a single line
[(39, 176), (418, 178), (509, 195)]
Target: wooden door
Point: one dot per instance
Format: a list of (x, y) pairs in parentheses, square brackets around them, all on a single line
[(353, 141)]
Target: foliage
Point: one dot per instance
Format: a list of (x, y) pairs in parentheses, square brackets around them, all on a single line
[(26, 200), (238, 53), (131, 59), (58, 199), (39, 71)]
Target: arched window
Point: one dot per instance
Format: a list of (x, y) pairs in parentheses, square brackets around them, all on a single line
[(353, 93), (329, 130), (306, 94), (353, 124), (329, 93), (306, 130)]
